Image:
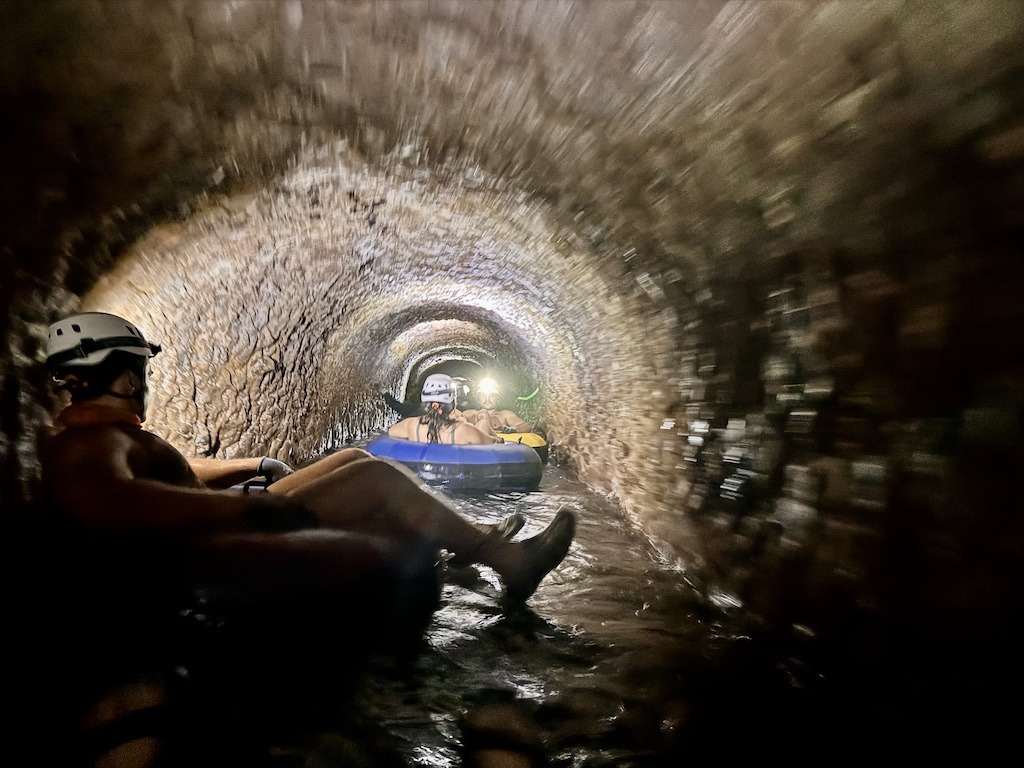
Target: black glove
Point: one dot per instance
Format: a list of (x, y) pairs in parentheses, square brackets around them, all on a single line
[(273, 512), (273, 470)]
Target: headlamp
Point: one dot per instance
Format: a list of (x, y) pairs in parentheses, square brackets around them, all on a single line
[(488, 387)]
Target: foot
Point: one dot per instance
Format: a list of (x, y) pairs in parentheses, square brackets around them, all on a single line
[(540, 555)]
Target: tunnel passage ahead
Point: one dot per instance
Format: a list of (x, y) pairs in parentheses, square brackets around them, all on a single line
[(315, 311)]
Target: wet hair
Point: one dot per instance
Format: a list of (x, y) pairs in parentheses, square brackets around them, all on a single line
[(92, 381), (435, 416)]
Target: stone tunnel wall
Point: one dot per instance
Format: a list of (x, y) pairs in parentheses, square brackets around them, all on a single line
[(306, 296), (809, 212)]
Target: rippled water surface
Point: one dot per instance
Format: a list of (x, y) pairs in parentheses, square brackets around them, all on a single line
[(603, 660), (617, 661)]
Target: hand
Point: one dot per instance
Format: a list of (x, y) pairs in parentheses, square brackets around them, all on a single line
[(273, 512), (273, 470)]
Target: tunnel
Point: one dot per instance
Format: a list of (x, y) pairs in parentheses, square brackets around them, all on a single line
[(755, 267)]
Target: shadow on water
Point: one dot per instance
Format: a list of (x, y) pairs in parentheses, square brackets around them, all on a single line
[(616, 661), (608, 659)]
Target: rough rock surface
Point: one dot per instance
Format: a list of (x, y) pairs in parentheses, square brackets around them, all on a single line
[(762, 259)]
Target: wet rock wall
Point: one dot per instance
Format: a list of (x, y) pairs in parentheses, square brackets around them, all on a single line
[(319, 310), (760, 257)]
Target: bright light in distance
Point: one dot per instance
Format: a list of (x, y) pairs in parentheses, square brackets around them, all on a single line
[(487, 387)]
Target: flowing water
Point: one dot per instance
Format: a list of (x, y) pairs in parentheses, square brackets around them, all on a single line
[(617, 660), (594, 652)]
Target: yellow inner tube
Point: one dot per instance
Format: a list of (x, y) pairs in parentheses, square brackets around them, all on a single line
[(531, 439)]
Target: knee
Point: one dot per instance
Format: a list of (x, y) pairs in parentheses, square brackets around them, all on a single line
[(393, 483), (383, 471), (354, 454), (370, 472), (347, 456)]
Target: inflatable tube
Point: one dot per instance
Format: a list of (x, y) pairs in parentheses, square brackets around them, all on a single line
[(532, 439), (502, 466)]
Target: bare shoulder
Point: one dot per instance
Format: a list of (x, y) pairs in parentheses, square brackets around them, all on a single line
[(94, 451), (91, 444), (400, 428)]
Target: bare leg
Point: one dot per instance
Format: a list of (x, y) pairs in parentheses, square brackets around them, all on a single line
[(327, 464), (484, 425), (381, 498), (301, 478)]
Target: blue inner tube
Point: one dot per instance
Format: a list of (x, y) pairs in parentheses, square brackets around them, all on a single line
[(506, 467)]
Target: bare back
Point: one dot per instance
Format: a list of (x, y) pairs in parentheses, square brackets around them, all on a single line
[(497, 419), (119, 478), (464, 433)]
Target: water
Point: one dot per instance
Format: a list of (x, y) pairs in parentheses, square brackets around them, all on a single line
[(607, 659), (618, 662)]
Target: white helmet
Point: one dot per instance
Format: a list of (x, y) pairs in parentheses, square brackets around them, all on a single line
[(438, 388), (89, 338)]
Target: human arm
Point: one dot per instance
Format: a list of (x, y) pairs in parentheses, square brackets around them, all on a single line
[(114, 483), (399, 430), (470, 435), (512, 423), (482, 421), (224, 473), (403, 409)]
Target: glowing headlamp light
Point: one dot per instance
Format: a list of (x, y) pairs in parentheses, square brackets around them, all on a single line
[(488, 387)]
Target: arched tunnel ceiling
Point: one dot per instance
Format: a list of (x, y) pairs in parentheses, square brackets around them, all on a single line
[(638, 199), (427, 344), (307, 291)]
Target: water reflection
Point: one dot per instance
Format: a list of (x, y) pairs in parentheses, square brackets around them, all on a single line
[(594, 659)]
